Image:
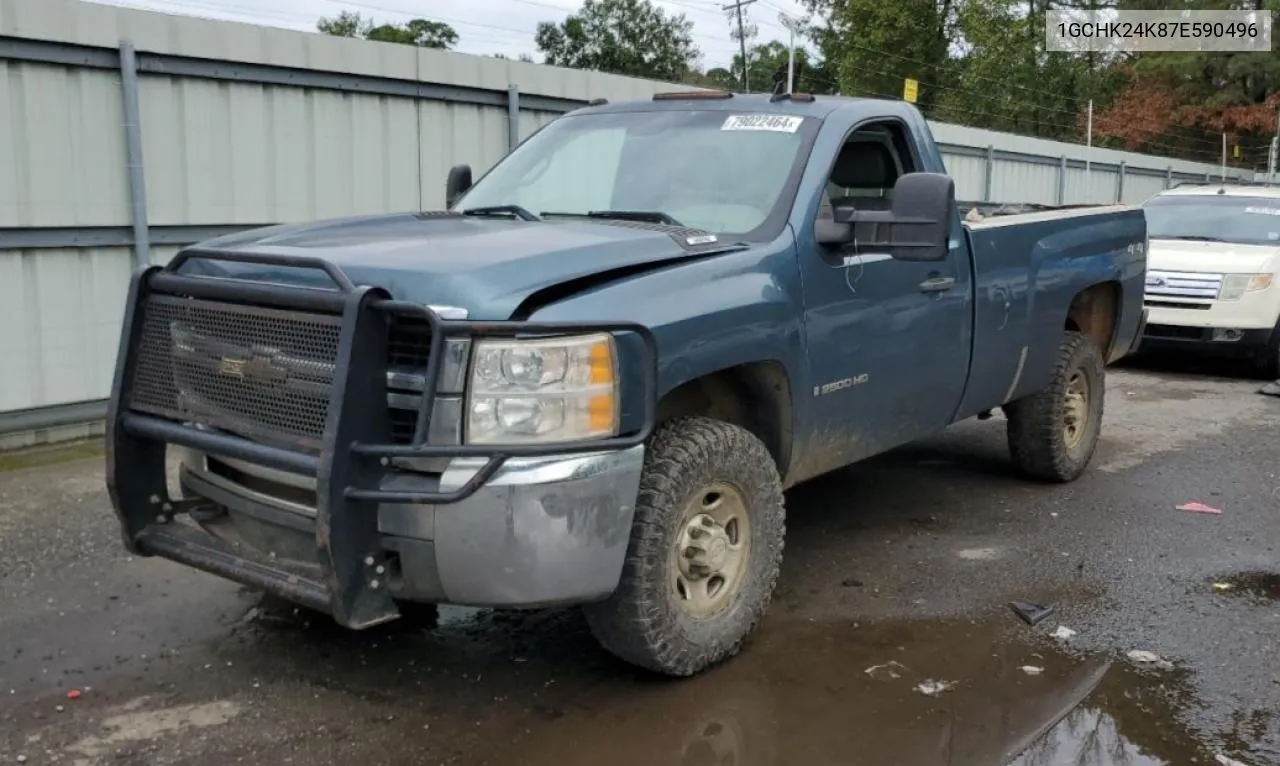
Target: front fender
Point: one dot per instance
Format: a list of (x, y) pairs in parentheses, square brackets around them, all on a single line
[(706, 315)]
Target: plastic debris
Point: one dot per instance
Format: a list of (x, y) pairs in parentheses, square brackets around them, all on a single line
[(1198, 508), (1063, 633), (889, 669), (934, 688), (1143, 657), (1222, 586), (1031, 670), (1030, 613), (74, 694), (1225, 761)]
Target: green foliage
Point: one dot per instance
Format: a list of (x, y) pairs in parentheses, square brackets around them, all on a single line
[(423, 33), (870, 46), (767, 69), (627, 37)]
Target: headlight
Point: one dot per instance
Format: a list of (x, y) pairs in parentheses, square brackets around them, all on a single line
[(1234, 286), (538, 391)]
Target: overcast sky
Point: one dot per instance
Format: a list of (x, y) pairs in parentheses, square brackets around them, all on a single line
[(484, 26)]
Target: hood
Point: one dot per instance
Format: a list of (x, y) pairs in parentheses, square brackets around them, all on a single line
[(485, 265), (1215, 257)]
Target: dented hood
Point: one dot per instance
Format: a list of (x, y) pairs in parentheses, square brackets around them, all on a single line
[(485, 265)]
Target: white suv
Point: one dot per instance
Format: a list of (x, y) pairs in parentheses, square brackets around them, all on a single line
[(1212, 269)]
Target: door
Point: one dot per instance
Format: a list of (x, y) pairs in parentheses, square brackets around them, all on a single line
[(888, 339)]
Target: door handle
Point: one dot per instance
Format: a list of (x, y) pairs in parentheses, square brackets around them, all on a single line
[(937, 284)]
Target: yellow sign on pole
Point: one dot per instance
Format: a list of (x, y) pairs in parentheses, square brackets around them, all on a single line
[(910, 90), (1236, 151)]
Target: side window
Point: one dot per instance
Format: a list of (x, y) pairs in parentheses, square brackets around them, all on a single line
[(868, 165)]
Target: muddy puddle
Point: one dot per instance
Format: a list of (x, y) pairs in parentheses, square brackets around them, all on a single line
[(811, 692)]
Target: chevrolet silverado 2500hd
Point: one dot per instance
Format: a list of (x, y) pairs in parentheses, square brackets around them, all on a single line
[(591, 378)]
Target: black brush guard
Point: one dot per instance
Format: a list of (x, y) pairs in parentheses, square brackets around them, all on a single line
[(350, 459)]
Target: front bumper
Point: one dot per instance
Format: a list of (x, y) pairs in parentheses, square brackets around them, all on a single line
[(1239, 342), (540, 532), (295, 382)]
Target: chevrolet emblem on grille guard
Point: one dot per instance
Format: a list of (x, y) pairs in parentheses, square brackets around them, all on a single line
[(258, 368)]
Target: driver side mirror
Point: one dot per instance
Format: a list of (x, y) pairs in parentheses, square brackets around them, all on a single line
[(458, 183), (918, 228)]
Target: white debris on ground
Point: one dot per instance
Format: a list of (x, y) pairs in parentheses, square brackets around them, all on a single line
[(1143, 657), (888, 669), (1031, 670), (1225, 761), (934, 688), (1063, 633)]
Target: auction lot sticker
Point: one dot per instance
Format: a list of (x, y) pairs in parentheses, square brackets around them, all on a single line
[(778, 123)]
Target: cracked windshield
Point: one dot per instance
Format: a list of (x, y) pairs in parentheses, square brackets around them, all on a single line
[(639, 383)]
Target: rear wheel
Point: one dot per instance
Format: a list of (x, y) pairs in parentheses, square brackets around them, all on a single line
[(705, 550), (1053, 433)]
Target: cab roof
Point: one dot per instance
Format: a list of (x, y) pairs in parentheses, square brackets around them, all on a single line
[(1222, 190), (757, 103)]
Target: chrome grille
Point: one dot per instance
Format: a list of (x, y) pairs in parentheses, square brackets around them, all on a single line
[(1190, 285), (263, 373)]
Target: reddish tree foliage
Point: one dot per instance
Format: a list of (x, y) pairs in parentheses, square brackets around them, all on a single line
[(1244, 118), (1143, 112)]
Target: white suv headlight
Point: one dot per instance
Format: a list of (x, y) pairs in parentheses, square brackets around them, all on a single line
[(540, 391), (1234, 286)]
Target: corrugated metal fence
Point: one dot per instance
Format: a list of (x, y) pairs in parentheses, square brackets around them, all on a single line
[(126, 134)]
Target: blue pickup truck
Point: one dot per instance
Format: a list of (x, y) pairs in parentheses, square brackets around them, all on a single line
[(590, 379)]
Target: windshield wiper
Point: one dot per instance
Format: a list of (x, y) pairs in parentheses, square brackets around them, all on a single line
[(515, 210), (643, 216)]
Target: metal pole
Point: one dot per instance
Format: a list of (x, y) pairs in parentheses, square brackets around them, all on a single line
[(1088, 155), (513, 116), (1224, 157), (1062, 179), (133, 154), (1120, 184), (1275, 144), (791, 61), (989, 174), (1271, 159)]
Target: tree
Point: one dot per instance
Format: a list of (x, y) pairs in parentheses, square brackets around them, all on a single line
[(871, 46), (767, 70), (422, 33), (628, 37)]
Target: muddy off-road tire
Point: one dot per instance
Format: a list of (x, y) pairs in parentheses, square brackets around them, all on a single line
[(1053, 433), (705, 550)]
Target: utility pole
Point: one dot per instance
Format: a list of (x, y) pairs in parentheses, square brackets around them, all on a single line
[(736, 7)]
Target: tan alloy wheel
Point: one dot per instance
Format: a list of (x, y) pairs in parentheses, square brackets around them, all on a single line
[(1075, 411), (712, 551)]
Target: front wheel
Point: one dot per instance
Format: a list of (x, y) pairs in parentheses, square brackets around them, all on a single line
[(1268, 362), (1053, 433), (705, 550)]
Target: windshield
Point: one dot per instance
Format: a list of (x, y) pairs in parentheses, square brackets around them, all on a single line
[(1234, 219), (722, 172)]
